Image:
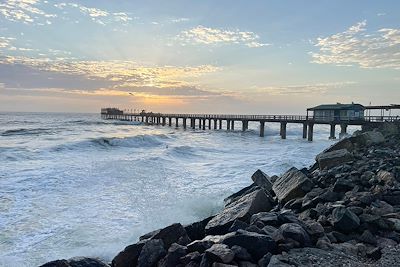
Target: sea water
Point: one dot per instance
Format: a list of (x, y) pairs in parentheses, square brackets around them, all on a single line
[(76, 185)]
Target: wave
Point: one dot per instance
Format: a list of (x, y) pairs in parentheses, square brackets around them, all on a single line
[(25, 131), (138, 141), (89, 122)]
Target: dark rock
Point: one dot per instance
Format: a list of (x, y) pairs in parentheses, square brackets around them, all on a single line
[(343, 185), (276, 262), (368, 237), (218, 264), (246, 264), (267, 218), (324, 243), (242, 209), (345, 143), (269, 230), (175, 253), (170, 234), (193, 256), (255, 229), (344, 220), (294, 232), (287, 216), (192, 264), (263, 181), (292, 184), (257, 245), (56, 263), (379, 207), (220, 253), (152, 251), (356, 210), (195, 231), (199, 245), (331, 159), (314, 229), (235, 196), (86, 262), (238, 225), (205, 262), (374, 253), (264, 261), (129, 256), (241, 253)]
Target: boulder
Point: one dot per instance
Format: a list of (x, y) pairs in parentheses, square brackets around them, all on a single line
[(263, 181), (220, 253), (195, 231), (170, 234), (292, 231), (344, 220), (344, 143), (244, 191), (199, 245), (191, 257), (332, 159), (76, 262), (152, 251), (256, 244), (264, 261), (292, 184), (266, 218), (56, 263), (175, 253), (241, 253), (386, 177), (129, 256), (238, 225), (242, 209)]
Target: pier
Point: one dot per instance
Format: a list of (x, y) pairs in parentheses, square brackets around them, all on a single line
[(218, 121)]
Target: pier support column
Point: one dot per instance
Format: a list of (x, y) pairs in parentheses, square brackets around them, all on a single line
[(233, 125), (304, 130), (245, 125), (163, 121), (184, 123), (220, 124), (343, 130), (204, 124), (215, 124), (199, 123), (176, 122), (209, 124), (283, 130), (169, 121), (262, 127), (192, 123), (147, 119), (310, 131), (228, 125), (332, 133)]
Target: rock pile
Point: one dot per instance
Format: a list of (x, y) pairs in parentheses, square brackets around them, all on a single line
[(344, 210)]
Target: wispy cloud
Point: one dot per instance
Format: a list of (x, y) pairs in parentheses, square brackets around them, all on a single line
[(5, 42), (356, 46), (97, 15), (310, 89), (26, 11), (205, 35)]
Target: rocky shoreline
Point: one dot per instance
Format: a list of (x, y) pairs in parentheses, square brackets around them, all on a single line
[(342, 211)]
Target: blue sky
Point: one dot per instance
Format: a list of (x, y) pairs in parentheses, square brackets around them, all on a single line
[(197, 56)]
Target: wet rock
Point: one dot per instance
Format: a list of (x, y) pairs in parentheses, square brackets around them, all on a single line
[(56, 263), (263, 181), (129, 256), (256, 244), (331, 159), (196, 230), (344, 220), (175, 253), (220, 253), (292, 184), (242, 209), (151, 253), (237, 224), (170, 234), (235, 196)]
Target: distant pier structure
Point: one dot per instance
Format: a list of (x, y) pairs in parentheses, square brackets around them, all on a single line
[(334, 115)]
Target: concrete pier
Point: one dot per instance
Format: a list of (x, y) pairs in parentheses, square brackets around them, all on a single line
[(332, 132), (283, 130), (262, 128), (310, 131), (304, 130)]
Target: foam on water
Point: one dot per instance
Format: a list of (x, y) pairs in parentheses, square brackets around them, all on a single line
[(84, 186)]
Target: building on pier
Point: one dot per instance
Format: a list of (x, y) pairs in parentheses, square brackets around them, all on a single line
[(337, 112)]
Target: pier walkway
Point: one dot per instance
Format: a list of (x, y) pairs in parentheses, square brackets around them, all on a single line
[(217, 121)]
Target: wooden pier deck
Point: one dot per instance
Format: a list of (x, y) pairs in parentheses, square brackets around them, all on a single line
[(215, 121)]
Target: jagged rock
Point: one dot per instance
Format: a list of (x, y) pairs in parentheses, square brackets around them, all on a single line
[(242, 209), (374, 253), (294, 232), (218, 264), (196, 230), (344, 143), (386, 177), (256, 244), (292, 184), (276, 262), (246, 264), (175, 253), (314, 229), (220, 253), (241, 253), (343, 185), (324, 243), (192, 264), (86, 262), (263, 181), (170, 234), (266, 218), (191, 257), (56, 263), (269, 230), (368, 237), (265, 260), (129, 256), (344, 220), (152, 251), (238, 225), (331, 159), (199, 245), (235, 196), (255, 229)]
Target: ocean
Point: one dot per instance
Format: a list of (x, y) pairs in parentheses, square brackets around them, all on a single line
[(76, 185)]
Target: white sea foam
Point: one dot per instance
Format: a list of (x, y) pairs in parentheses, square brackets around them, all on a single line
[(94, 186)]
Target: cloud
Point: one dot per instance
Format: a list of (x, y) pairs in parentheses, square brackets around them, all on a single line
[(356, 46), (26, 11), (97, 15), (205, 35), (5, 42), (310, 89)]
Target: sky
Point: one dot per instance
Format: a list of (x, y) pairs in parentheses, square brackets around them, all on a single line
[(244, 57)]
